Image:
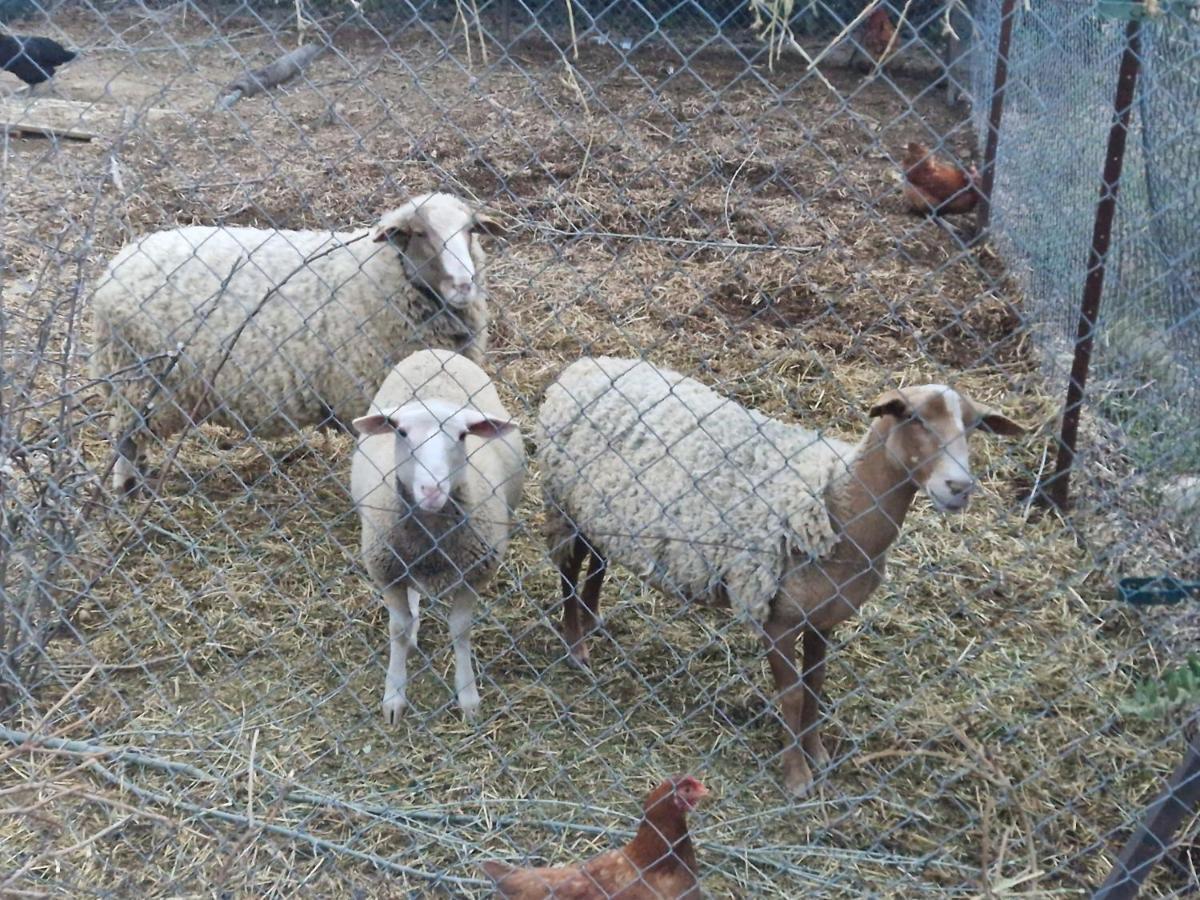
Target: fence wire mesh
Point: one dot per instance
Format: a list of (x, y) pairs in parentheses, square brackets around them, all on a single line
[(1064, 59), (192, 675)]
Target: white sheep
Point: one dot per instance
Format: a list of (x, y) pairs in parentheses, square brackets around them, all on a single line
[(723, 505), (437, 475), (278, 330)]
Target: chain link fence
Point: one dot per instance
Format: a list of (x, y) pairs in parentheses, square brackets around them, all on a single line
[(191, 677)]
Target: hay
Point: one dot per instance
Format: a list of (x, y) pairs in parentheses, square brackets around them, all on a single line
[(974, 729)]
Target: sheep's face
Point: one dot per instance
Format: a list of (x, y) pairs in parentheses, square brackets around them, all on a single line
[(440, 235), (431, 445), (926, 433)]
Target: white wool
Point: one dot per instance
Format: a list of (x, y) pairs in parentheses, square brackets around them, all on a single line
[(495, 474), (687, 488), (339, 309)]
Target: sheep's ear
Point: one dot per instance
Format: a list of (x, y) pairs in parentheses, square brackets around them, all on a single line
[(487, 223), (372, 425), (487, 426), (995, 422), (891, 403), (398, 221)]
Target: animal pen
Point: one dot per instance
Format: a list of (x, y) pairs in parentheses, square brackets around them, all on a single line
[(190, 677)]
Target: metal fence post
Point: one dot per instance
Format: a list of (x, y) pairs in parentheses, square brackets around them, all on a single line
[(984, 214), (1055, 489)]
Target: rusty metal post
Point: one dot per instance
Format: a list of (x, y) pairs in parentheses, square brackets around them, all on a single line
[(1055, 490), (1152, 838), (995, 113)]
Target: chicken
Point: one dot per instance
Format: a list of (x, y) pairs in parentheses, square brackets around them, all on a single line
[(658, 864), (32, 59), (934, 185), (877, 33)]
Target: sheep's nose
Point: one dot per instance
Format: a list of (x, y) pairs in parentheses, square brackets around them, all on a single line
[(432, 496), (960, 486), (458, 288)]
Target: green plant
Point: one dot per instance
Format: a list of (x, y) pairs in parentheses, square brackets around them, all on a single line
[(1175, 689)]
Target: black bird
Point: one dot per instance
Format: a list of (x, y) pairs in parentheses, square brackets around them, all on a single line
[(32, 59)]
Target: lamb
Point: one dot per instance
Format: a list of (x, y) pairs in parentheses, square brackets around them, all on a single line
[(437, 475), (723, 505), (278, 330)]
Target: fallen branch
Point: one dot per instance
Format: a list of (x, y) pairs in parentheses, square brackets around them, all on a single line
[(410, 819), (283, 69)]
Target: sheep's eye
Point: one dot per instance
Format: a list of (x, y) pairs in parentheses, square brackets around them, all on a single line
[(402, 432), (463, 436)]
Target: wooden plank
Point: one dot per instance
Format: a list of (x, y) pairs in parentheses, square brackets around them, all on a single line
[(69, 118)]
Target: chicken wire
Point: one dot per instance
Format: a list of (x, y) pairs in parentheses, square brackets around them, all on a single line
[(1148, 324), (193, 676)]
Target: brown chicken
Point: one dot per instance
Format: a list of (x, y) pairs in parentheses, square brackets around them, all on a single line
[(658, 864), (877, 33), (932, 185)]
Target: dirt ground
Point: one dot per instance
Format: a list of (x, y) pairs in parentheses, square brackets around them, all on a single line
[(740, 225)]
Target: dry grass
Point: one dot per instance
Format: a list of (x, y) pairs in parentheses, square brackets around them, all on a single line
[(976, 741)]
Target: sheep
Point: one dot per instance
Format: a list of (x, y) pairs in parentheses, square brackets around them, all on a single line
[(276, 330), (437, 476), (725, 506)]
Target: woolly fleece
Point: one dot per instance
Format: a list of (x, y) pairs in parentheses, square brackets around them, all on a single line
[(687, 488), (465, 541), (311, 355)]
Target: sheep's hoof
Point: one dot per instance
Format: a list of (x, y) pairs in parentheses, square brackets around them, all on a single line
[(394, 708), (468, 701), (817, 754), (580, 659), (799, 781)]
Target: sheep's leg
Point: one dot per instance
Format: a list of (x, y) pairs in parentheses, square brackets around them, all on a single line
[(568, 573), (125, 469), (462, 616), (780, 641), (597, 567), (403, 621), (816, 643)]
